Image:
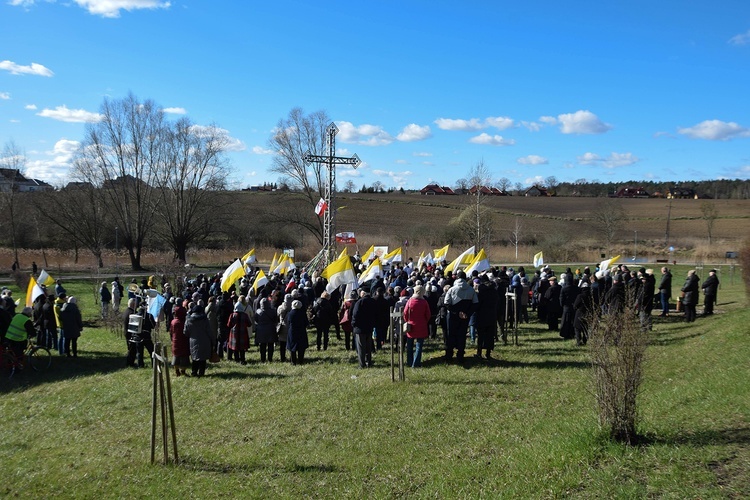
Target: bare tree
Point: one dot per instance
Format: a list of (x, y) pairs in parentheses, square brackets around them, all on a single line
[(462, 184), (191, 182), (479, 179), (349, 186), (551, 183), (122, 154), (378, 187), (709, 213), (503, 184), (608, 220), (12, 169), (81, 215), (515, 235), (294, 137)]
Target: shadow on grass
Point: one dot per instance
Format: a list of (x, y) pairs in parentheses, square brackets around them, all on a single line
[(668, 340), (201, 464), (706, 437)]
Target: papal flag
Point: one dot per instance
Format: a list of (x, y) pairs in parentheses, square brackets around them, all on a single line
[(345, 251), (394, 256), (339, 272), (285, 265), (45, 279), (234, 272), (441, 254), (480, 263), (538, 259), (374, 270), (260, 280), (274, 262), (606, 264), (249, 257), (462, 260), (369, 254), (32, 292)]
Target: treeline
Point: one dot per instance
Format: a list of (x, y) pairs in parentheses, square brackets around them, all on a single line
[(736, 189)]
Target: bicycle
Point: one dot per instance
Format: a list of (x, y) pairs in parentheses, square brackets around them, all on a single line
[(36, 356)]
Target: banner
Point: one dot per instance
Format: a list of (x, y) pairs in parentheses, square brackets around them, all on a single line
[(346, 238)]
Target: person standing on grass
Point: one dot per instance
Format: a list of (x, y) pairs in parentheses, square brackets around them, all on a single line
[(665, 290), (553, 307), (323, 316), (282, 329), (583, 307), (117, 290), (645, 299), (180, 342), (105, 297), (296, 341), (239, 337), (690, 297), (212, 313), (710, 288), (462, 301), (364, 318), (345, 319), (72, 325), (198, 331), (60, 301), (265, 328), (486, 317), (416, 314)]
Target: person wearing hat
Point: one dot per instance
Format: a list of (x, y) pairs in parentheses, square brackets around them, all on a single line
[(296, 339), (710, 288), (416, 314), (364, 320), (665, 290), (645, 298), (19, 330), (345, 319), (554, 307), (72, 325), (486, 316)]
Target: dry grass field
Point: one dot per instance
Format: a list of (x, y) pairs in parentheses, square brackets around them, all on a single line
[(564, 223)]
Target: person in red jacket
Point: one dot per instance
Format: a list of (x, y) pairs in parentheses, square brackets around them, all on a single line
[(417, 316)]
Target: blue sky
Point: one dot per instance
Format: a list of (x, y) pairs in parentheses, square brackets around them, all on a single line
[(420, 90)]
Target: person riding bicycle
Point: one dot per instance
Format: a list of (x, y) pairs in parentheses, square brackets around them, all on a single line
[(20, 329)]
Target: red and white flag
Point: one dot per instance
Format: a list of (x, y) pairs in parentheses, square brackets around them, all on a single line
[(321, 207), (347, 238)]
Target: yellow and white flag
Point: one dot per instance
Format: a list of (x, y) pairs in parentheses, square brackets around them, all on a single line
[(441, 253), (45, 279), (374, 270), (539, 259), (369, 254), (480, 263), (260, 280), (462, 260), (284, 265), (230, 276), (249, 257), (32, 292), (339, 272), (343, 252), (274, 262), (606, 264), (394, 256)]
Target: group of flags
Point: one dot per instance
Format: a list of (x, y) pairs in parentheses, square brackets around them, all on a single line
[(34, 290)]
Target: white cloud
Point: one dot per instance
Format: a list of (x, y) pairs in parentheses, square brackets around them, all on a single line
[(63, 114), (232, 144), (548, 120), (741, 39), (112, 8), (398, 178), (55, 166), (347, 171), (175, 111), (715, 130), (258, 150), (532, 126), (452, 124), (30, 106), (17, 69), (401, 162), (414, 132), (582, 122), (422, 153), (491, 140), (532, 160), (614, 160), (365, 135), (537, 179), (5, 95), (499, 122)]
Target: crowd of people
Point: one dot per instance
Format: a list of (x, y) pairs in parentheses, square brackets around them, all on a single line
[(471, 312), (208, 324)]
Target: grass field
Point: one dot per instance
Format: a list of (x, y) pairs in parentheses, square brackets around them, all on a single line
[(523, 426)]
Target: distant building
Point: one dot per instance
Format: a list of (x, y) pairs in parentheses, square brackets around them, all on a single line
[(129, 179), (631, 192), (11, 179), (681, 193), (488, 191), (79, 185), (434, 190), (536, 191)]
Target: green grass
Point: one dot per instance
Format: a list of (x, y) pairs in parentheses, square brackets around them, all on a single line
[(523, 426)]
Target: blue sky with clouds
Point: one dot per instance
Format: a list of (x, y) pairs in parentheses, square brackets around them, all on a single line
[(420, 90)]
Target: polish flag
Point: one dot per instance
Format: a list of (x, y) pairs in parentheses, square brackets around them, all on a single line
[(321, 207)]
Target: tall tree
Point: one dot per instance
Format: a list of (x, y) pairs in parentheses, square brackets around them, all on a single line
[(709, 213), (12, 169), (479, 179), (191, 181), (122, 154), (608, 219), (295, 136)]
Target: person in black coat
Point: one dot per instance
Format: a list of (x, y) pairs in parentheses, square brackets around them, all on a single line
[(553, 306), (665, 290), (710, 288), (690, 295), (568, 295), (364, 317), (296, 340), (645, 299), (486, 317), (614, 299), (583, 307), (324, 316)]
